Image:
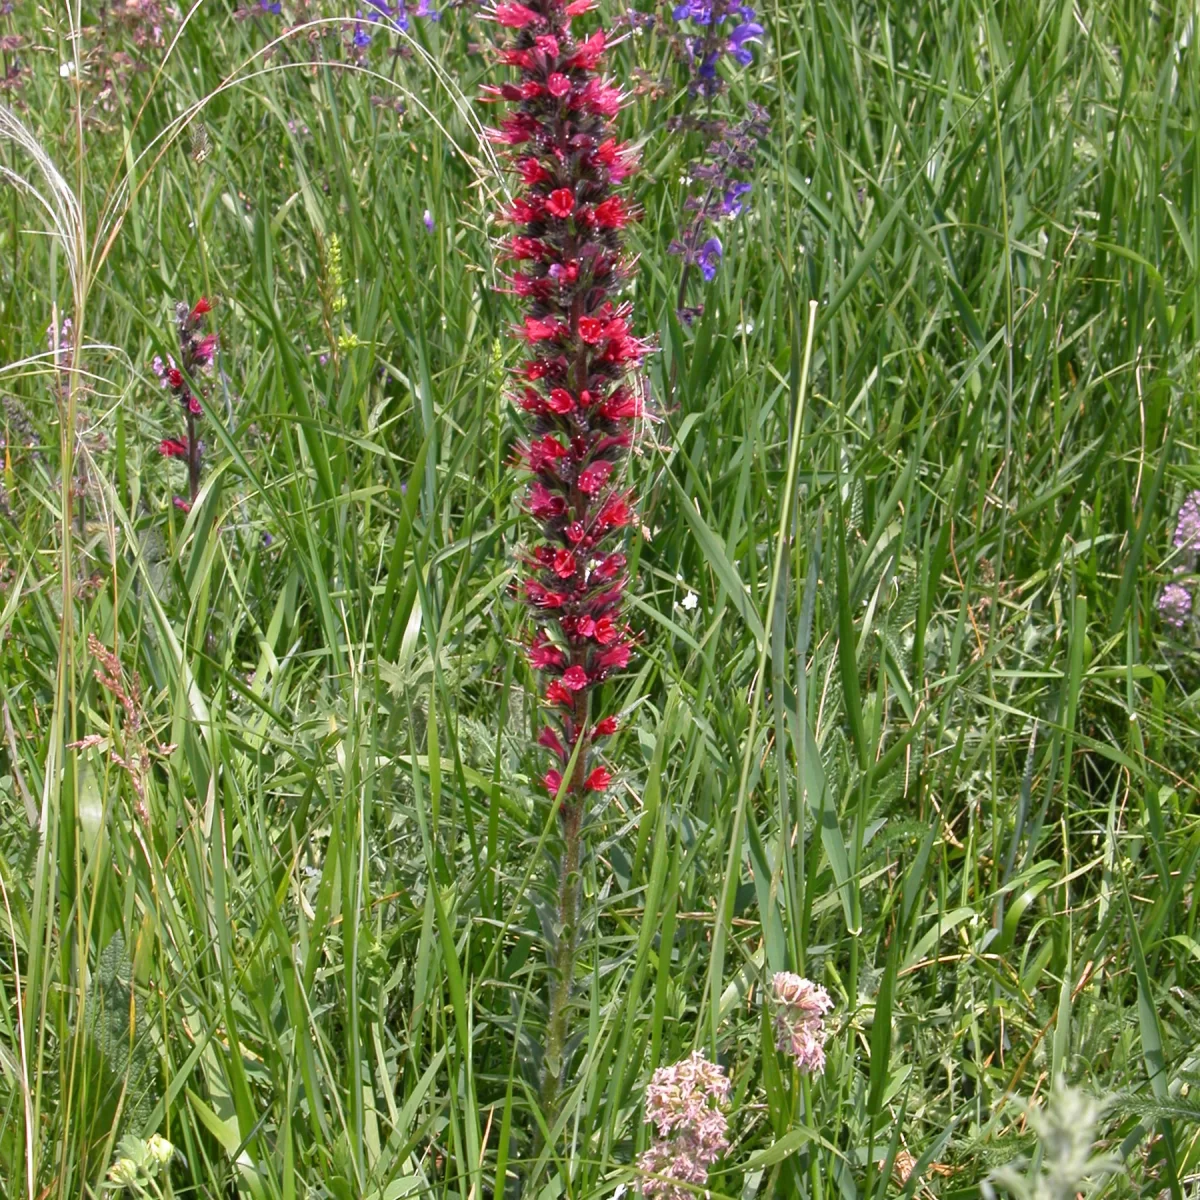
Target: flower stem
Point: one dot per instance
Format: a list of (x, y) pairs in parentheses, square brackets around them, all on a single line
[(558, 1029), (193, 458)]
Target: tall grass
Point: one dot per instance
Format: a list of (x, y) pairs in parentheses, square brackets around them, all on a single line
[(922, 739)]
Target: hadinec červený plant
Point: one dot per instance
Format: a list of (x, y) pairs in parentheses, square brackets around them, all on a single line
[(196, 352), (580, 390)]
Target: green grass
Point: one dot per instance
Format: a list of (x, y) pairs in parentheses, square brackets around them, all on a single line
[(923, 738)]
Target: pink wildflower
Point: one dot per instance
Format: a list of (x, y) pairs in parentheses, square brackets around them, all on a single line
[(800, 1011), (686, 1103)]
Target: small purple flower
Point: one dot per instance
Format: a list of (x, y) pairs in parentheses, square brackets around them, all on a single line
[(709, 258), (271, 6), (362, 39), (731, 202), (1175, 605), (1187, 525), (429, 222), (424, 9)]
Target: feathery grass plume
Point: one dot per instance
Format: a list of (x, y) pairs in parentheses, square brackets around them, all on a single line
[(800, 1008), (196, 352), (686, 1104), (581, 393), (1065, 1165)]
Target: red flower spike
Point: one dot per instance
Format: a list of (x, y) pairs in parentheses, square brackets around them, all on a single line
[(172, 448), (578, 382)]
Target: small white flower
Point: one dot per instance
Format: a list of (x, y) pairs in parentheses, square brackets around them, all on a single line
[(67, 68), (689, 602)]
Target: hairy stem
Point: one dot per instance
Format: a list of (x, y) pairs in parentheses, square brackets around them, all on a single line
[(193, 458)]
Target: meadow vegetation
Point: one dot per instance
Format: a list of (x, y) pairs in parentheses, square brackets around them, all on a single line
[(279, 874)]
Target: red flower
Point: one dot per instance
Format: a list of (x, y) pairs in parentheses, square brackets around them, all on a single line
[(598, 780), (603, 98), (560, 203), (564, 564), (605, 728), (556, 693), (543, 504), (615, 659), (183, 505), (516, 16), (558, 85), (560, 401), (543, 656), (588, 53), (202, 307), (552, 781), (172, 448), (591, 330), (593, 477), (203, 352), (611, 213), (532, 172), (575, 678), (551, 741), (174, 378), (622, 405), (544, 452), (535, 330)]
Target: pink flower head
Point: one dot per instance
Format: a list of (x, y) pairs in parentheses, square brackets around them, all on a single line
[(686, 1104), (800, 1008)]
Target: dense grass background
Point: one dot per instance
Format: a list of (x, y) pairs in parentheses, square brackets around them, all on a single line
[(948, 770)]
